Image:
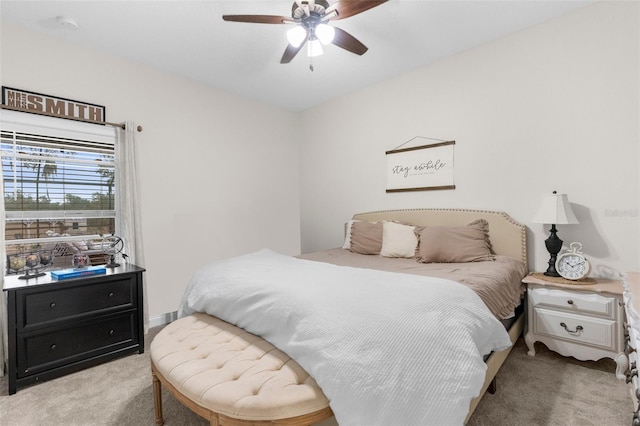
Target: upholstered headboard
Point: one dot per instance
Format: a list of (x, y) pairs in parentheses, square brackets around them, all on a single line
[(508, 237)]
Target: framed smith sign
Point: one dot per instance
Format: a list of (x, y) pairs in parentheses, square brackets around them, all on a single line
[(38, 103)]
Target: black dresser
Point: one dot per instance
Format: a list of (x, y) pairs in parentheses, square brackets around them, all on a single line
[(58, 327)]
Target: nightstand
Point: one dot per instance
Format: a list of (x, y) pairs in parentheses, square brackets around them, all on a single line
[(582, 321)]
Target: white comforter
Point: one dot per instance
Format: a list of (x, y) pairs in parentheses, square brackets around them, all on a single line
[(386, 348)]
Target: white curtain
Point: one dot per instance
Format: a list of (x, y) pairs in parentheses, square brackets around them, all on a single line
[(128, 225), (4, 338)]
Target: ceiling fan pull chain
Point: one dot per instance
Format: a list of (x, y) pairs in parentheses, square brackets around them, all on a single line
[(311, 63)]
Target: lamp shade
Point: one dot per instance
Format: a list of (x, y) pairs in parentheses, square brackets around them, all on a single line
[(325, 33), (555, 209), (296, 35), (314, 48)]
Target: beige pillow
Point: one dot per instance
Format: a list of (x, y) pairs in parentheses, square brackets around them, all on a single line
[(454, 244), (347, 234), (485, 228), (398, 240), (366, 237)]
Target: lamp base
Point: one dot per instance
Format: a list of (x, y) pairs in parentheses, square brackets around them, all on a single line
[(554, 245), (551, 271)]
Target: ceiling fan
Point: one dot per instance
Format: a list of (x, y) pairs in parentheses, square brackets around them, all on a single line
[(311, 18)]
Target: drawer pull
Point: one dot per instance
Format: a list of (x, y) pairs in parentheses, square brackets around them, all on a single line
[(570, 302), (53, 347), (52, 305), (111, 294), (111, 332), (577, 330)]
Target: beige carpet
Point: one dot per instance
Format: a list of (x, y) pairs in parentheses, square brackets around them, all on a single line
[(544, 390)]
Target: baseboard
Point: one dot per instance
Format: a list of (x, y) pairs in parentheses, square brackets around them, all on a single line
[(163, 319)]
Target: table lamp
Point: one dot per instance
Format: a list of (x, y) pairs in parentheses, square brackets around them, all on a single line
[(554, 210)]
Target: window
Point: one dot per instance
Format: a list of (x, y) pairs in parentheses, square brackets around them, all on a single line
[(59, 190)]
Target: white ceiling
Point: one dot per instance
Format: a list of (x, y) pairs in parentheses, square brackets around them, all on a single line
[(189, 38)]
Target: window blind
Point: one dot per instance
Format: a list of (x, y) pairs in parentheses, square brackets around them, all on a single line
[(59, 181)]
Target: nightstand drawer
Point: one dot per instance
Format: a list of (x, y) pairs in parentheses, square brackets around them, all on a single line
[(577, 328), (587, 303), (43, 306)]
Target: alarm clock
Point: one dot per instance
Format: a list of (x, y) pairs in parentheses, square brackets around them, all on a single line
[(572, 265)]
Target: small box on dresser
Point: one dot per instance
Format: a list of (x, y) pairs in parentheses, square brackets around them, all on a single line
[(582, 321), (58, 327)]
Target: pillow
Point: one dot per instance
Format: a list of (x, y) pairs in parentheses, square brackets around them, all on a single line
[(485, 228), (398, 240), (366, 237), (454, 244), (347, 234)]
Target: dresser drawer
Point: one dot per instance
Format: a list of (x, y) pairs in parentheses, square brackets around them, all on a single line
[(45, 350), (37, 308), (576, 302), (592, 331)]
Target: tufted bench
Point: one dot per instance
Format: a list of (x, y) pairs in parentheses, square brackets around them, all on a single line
[(232, 377)]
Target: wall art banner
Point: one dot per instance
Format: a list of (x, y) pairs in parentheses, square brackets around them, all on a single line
[(421, 168), (38, 103)]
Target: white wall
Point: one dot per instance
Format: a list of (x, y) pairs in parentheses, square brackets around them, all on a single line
[(202, 163), (554, 107)]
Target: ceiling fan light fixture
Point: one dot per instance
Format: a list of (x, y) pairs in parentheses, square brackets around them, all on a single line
[(296, 35), (325, 33), (314, 48)]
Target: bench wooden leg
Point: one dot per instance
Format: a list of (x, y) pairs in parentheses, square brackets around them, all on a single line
[(157, 398), (213, 419)]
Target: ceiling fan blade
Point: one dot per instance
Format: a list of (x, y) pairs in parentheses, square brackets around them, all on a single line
[(290, 52), (257, 19), (348, 42), (347, 8)]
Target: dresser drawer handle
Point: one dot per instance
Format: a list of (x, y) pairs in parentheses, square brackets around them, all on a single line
[(111, 294), (570, 302), (52, 305), (578, 328), (53, 347), (111, 332)]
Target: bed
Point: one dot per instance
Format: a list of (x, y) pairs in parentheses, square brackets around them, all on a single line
[(392, 333)]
